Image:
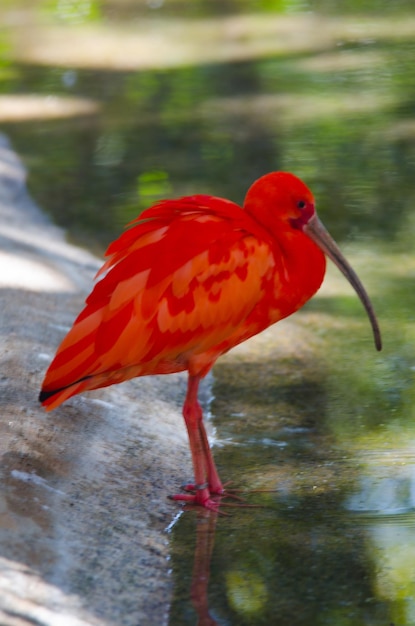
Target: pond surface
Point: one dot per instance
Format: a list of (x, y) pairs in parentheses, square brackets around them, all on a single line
[(116, 104)]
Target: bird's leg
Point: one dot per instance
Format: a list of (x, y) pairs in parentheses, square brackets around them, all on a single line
[(207, 480), (215, 483)]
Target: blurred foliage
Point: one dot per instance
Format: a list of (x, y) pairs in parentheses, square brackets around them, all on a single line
[(72, 11), (191, 124), (154, 121)]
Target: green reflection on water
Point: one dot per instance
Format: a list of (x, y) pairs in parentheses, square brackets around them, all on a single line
[(335, 116), (72, 11)]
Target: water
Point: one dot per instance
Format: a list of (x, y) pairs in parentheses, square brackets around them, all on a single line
[(309, 414), (326, 450)]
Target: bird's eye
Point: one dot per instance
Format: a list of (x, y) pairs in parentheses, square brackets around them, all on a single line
[(301, 204)]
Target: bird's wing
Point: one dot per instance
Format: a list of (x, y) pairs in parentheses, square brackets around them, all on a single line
[(179, 283)]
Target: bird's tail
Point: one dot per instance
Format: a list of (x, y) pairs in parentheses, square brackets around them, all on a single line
[(52, 398)]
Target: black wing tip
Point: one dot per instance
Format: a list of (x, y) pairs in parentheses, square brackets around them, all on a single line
[(45, 395)]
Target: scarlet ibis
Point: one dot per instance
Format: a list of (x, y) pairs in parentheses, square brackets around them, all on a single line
[(188, 280)]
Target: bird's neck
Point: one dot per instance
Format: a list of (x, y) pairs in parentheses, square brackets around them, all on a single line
[(303, 266), (299, 263)]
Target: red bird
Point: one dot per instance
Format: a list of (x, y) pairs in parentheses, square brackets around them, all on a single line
[(190, 279)]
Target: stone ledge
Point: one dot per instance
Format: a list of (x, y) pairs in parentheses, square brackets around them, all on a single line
[(83, 506)]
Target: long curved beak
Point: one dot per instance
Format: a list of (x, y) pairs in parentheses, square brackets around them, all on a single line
[(317, 232)]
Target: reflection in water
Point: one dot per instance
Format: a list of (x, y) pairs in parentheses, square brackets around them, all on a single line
[(205, 537), (329, 103), (297, 562), (334, 543), (385, 502), (392, 545), (386, 489)]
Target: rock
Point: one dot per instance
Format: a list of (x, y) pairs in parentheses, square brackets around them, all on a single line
[(83, 507)]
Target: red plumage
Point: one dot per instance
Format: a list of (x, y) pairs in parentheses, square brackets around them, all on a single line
[(188, 280)]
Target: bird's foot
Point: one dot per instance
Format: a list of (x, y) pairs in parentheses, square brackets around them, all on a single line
[(209, 497), (216, 489), (201, 496)]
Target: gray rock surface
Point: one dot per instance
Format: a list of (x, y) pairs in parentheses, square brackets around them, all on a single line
[(83, 507)]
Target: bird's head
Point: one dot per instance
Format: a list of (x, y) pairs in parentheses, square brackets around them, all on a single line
[(280, 197), (281, 202)]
